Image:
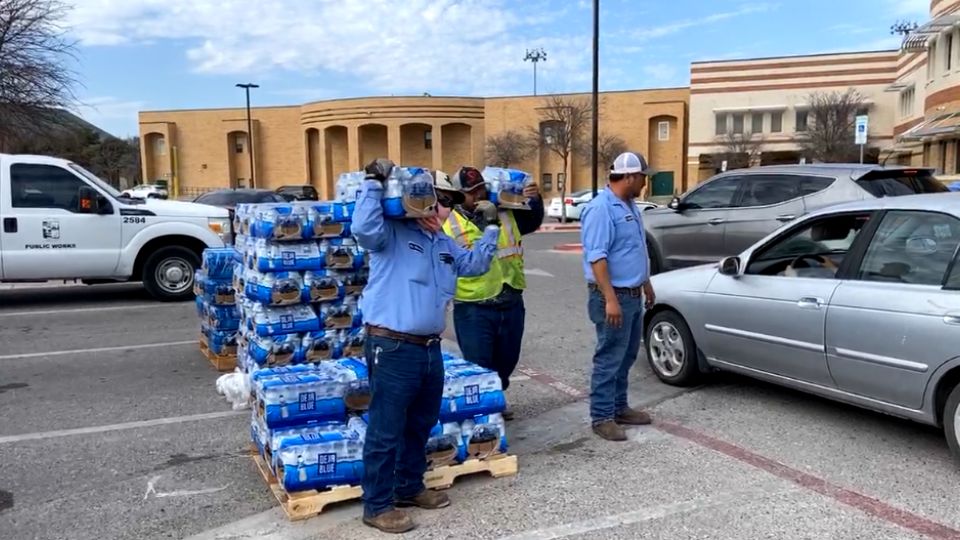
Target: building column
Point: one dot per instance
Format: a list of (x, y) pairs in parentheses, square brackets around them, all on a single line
[(393, 144), (436, 135), (326, 193), (353, 148)]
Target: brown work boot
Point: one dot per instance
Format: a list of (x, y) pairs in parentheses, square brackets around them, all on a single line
[(391, 521), (609, 430), (633, 417), (427, 499)]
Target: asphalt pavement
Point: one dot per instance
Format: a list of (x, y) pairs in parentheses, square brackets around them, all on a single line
[(110, 427)]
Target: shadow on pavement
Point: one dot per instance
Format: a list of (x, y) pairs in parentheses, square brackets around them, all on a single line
[(65, 296)]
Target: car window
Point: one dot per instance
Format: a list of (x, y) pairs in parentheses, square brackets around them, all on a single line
[(714, 194), (216, 198), (764, 190), (913, 247), (900, 182), (44, 186), (814, 184), (816, 249)]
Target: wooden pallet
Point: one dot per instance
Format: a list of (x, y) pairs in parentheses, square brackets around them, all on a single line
[(306, 504), (222, 362)]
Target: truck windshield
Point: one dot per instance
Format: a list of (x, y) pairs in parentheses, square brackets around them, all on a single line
[(93, 178)]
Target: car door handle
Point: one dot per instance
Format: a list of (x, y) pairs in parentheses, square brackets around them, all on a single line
[(810, 302), (952, 319), (786, 217), (10, 225), (716, 221)]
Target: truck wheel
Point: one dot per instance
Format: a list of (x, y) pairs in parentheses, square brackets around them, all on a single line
[(168, 273), (951, 422)]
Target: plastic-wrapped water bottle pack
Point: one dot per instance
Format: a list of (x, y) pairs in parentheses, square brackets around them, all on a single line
[(505, 187)]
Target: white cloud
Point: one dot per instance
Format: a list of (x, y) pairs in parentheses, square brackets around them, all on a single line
[(457, 46), (678, 26), (660, 73)]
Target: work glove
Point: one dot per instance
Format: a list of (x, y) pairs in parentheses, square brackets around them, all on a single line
[(489, 212), (378, 169)]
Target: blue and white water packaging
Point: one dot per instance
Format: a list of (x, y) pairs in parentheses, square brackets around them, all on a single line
[(342, 316), (409, 193), (273, 351), (322, 286), (445, 446), (269, 257), (469, 390), (323, 223), (296, 398), (320, 346), (272, 321), (275, 289), (280, 222), (484, 436), (222, 318), (218, 262), (348, 185), (321, 459), (505, 187), (355, 376)]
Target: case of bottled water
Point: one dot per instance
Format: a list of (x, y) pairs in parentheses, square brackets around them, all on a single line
[(273, 351), (270, 257), (445, 445), (222, 318), (272, 321), (409, 193), (484, 436), (322, 457), (275, 289), (295, 398), (323, 221), (505, 187), (469, 390), (218, 263), (280, 222), (322, 286)]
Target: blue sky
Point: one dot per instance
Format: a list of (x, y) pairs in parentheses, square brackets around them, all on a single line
[(162, 54)]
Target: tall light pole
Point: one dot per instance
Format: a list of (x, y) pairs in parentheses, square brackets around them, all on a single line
[(535, 56), (595, 135), (253, 174)]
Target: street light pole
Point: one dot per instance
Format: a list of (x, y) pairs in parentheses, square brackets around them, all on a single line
[(535, 55), (253, 174), (595, 134)]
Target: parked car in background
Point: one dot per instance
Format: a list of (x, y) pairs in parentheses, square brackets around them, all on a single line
[(147, 191), (298, 193), (576, 202), (230, 198), (728, 213), (858, 302)]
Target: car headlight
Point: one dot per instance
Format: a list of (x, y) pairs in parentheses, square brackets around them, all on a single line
[(221, 227)]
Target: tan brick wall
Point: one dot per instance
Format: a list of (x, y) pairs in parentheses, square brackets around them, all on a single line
[(413, 151)]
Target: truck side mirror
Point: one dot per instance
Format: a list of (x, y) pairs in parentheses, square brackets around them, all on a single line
[(675, 204), (89, 200)]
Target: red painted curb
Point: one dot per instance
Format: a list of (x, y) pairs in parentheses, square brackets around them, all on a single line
[(568, 247)]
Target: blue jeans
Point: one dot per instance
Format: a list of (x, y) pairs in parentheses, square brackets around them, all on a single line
[(406, 382), (616, 351), (490, 335)]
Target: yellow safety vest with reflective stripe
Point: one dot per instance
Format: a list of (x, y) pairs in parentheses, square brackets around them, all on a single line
[(505, 268)]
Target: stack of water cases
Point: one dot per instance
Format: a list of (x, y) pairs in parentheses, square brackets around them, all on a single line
[(216, 306), (299, 273)]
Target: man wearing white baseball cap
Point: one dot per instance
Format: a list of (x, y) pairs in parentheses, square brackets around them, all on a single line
[(616, 266)]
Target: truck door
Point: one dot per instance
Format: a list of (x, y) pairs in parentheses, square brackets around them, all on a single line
[(47, 235)]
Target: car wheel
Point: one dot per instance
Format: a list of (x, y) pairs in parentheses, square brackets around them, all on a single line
[(671, 350), (168, 273), (951, 422)]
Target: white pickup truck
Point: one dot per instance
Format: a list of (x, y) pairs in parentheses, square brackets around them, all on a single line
[(59, 221)]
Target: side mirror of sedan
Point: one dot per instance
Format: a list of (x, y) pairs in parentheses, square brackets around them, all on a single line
[(730, 266)]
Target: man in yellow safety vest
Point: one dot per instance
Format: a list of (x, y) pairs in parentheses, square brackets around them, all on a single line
[(488, 311)]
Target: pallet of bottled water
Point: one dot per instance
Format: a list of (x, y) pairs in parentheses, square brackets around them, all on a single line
[(216, 307)]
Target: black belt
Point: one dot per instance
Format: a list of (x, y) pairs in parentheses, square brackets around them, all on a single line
[(633, 292), (423, 341)]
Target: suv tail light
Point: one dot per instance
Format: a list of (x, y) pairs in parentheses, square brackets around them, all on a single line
[(568, 201)]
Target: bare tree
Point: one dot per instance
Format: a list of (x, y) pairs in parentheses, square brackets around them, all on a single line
[(34, 78), (563, 121), (609, 146), (831, 120), (509, 148), (740, 150)]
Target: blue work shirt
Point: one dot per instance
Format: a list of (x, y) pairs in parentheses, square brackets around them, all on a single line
[(413, 273), (612, 229)]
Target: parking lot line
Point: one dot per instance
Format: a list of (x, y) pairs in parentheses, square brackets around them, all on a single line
[(98, 349), (117, 427), (83, 310), (649, 513)]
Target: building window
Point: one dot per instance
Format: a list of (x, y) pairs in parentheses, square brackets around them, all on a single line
[(160, 146), (561, 180), (776, 122), (942, 168), (241, 183), (239, 143), (956, 156), (721, 124), (926, 154), (547, 182), (906, 102), (948, 52), (756, 123), (428, 139), (801, 121), (738, 123), (663, 131), (932, 61)]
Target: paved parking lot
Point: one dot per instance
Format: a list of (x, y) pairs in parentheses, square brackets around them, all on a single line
[(110, 428)]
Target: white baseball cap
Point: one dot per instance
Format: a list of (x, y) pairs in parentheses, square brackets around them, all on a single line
[(629, 163)]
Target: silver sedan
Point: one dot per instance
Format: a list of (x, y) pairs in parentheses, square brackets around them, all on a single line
[(859, 303)]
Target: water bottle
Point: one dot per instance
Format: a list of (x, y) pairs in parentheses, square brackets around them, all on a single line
[(393, 195), (343, 187), (493, 189)]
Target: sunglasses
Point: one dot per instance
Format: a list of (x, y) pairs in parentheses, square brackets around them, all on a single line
[(445, 200)]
